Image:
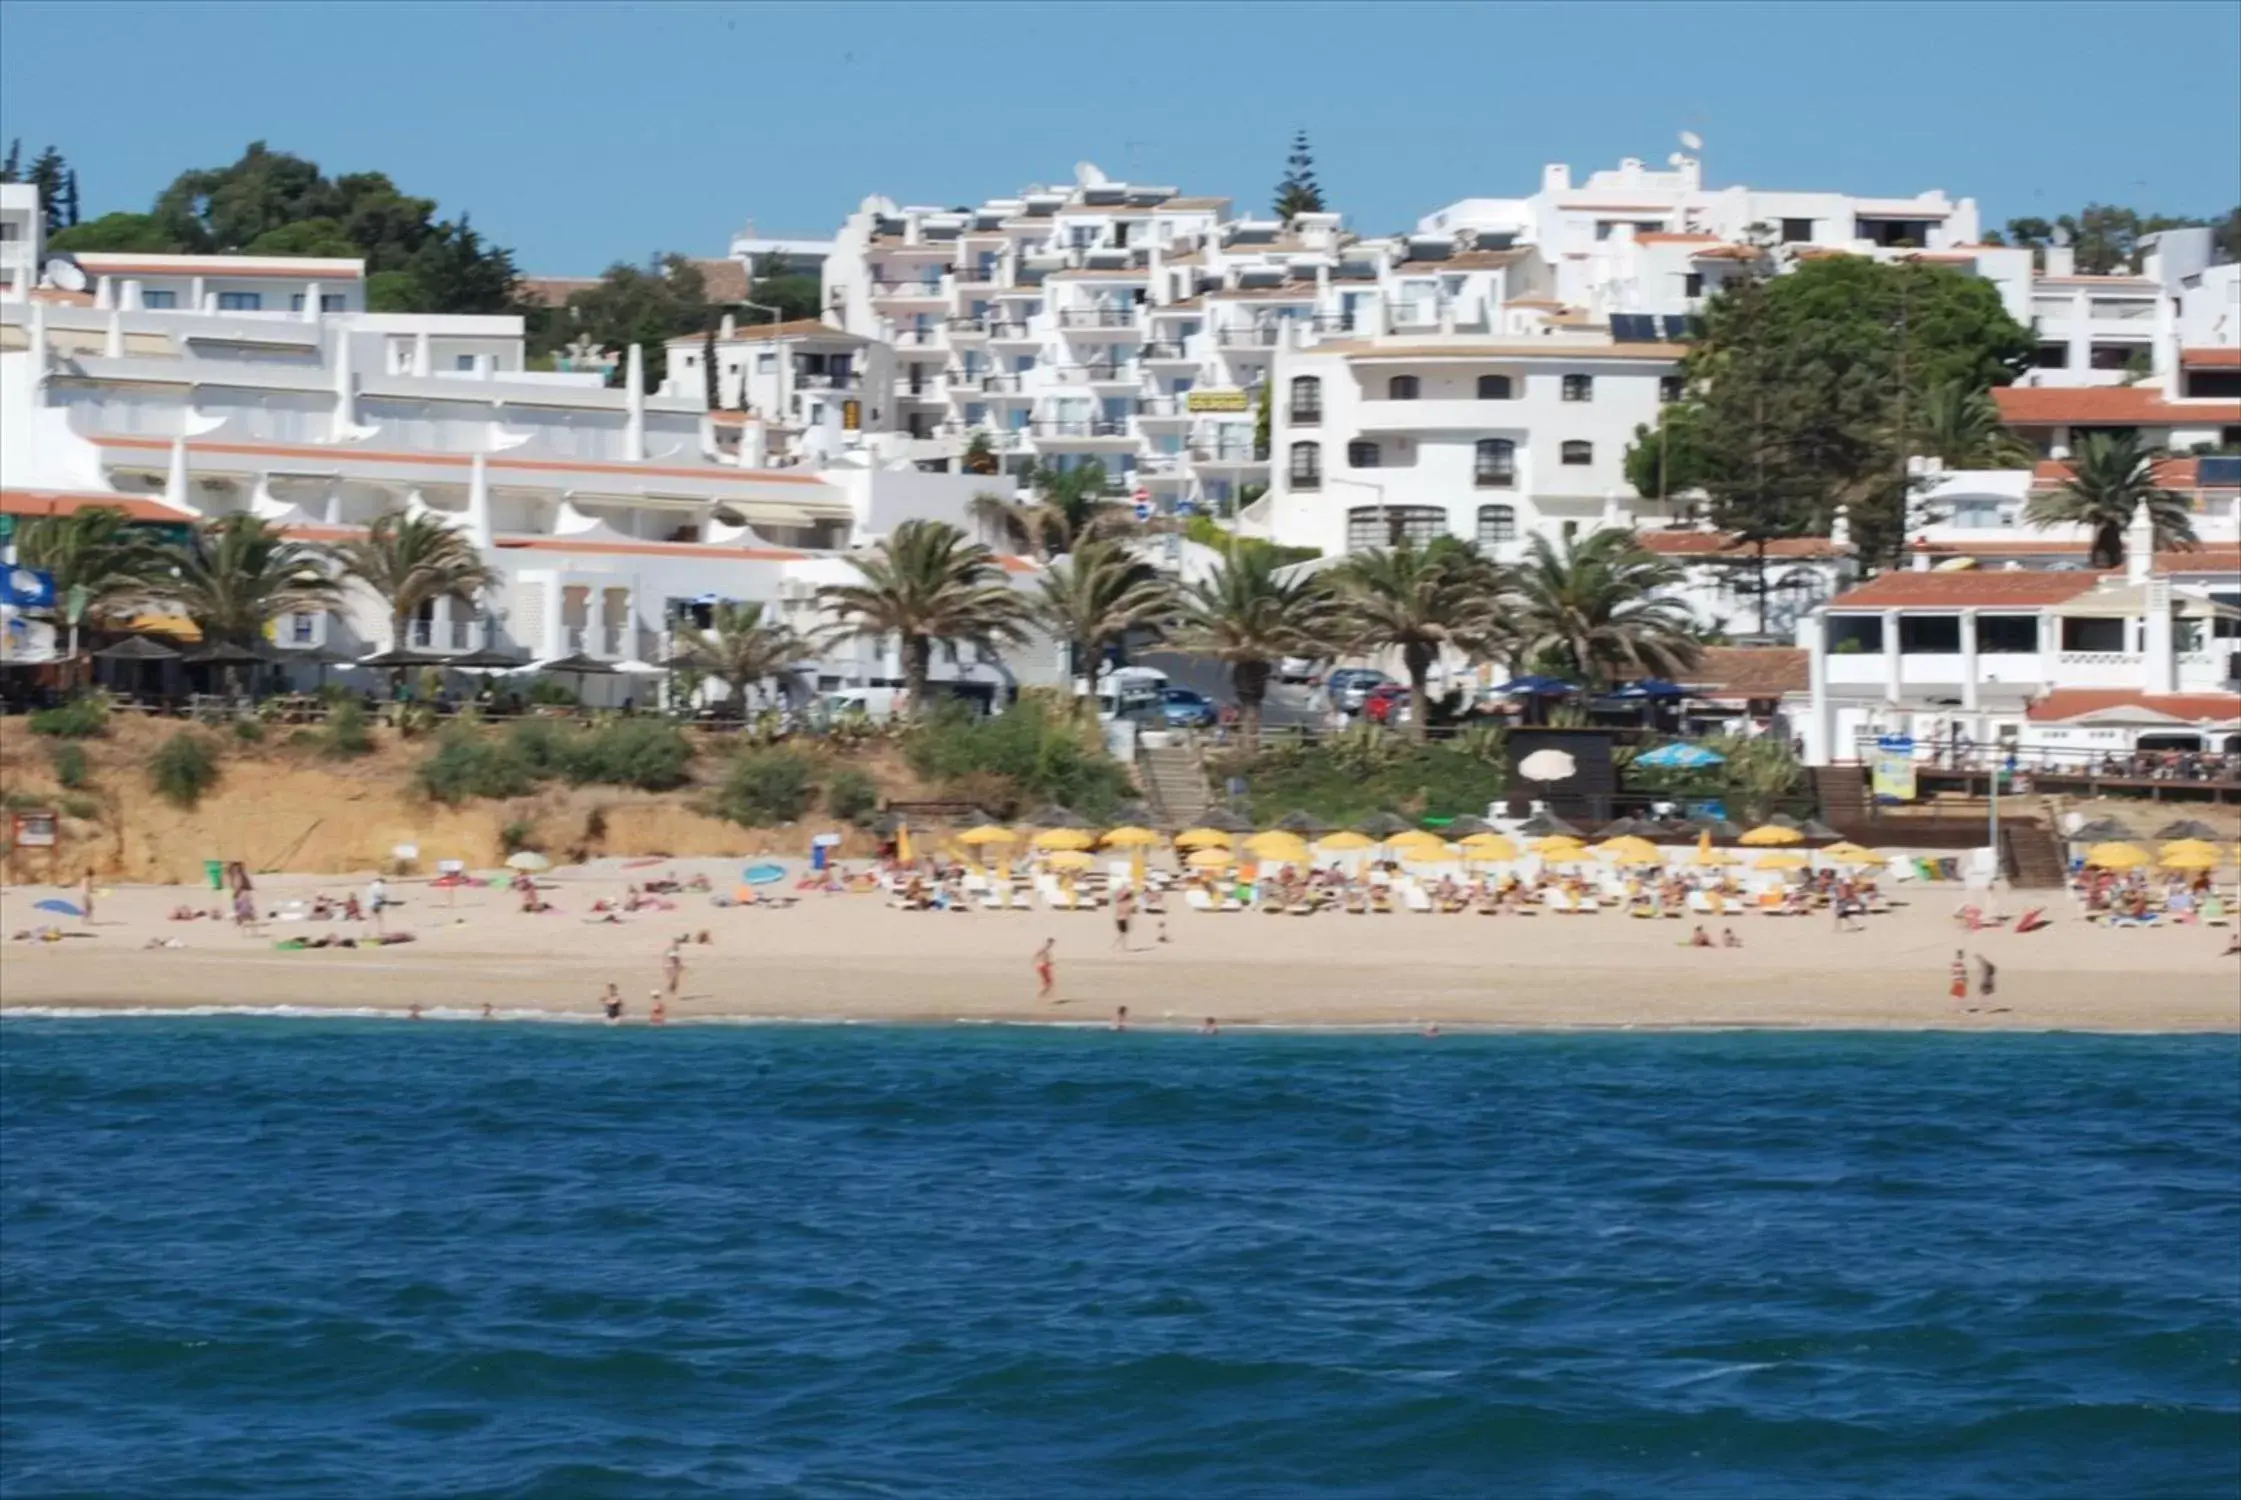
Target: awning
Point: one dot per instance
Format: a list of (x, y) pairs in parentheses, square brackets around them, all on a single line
[(764, 513), (2130, 602), (177, 627)]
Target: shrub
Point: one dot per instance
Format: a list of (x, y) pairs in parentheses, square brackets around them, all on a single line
[(80, 718), (183, 768), (84, 809), (546, 690), (518, 835), (347, 735), (851, 794), (70, 767), (465, 765), (541, 744), (1045, 752), (1438, 780), (766, 787), (629, 752), (249, 731)]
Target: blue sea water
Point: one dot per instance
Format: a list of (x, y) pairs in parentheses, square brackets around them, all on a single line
[(370, 1259)]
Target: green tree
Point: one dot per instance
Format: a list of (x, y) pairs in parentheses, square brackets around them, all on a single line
[(1298, 192), (235, 575), (778, 284), (1097, 598), (927, 584), (304, 237), (1420, 602), (96, 549), (409, 561), (2111, 477), (648, 305), (979, 458), (144, 233), (1071, 506), (50, 174), (1962, 428), (1602, 609), (1249, 616), (742, 648)]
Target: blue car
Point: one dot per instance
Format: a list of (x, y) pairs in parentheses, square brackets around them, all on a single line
[(1188, 710)]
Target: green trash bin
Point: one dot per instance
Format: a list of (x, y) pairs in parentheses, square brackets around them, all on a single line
[(216, 870)]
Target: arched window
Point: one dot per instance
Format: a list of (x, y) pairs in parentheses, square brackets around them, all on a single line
[(1372, 526), (1579, 387), (1306, 471), (1578, 452), (1401, 388), (1493, 388), (1496, 524), (1362, 454), (1494, 464), (1307, 401)]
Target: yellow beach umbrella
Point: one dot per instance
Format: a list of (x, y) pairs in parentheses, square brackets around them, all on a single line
[(1210, 859), (1071, 859), (2190, 859), (1063, 838), (1489, 848), (1851, 854), (1270, 838), (1345, 841), (1202, 838), (1130, 838), (1629, 850), (1559, 846), (1709, 857), (1487, 856), (2190, 848), (1416, 838), (2116, 856), (987, 833), (1769, 834), (1782, 859), (1281, 848)]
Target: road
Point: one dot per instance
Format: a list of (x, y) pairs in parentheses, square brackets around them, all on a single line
[(1287, 705)]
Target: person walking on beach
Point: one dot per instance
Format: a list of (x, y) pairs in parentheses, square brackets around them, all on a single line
[(85, 896), (1120, 1019), (658, 1014), (1986, 977), (673, 965), (1046, 969), (1960, 972), (377, 896), (1124, 907)]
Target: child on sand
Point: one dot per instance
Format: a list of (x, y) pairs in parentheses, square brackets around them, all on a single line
[(1960, 973), (1046, 969)]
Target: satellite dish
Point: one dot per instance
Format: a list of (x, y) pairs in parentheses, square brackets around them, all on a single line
[(2061, 235), (1692, 140), (1087, 175), (65, 273)]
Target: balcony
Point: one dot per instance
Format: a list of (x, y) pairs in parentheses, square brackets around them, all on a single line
[(1305, 416), (1262, 337), (1097, 317), (1011, 331), (1098, 374), (907, 291), (918, 338), (1163, 409), (825, 380), (1167, 351), (1344, 322), (1087, 431), (1229, 455), (964, 328)]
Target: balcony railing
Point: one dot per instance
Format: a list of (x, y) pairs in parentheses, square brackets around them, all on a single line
[(906, 289), (1098, 427), (1163, 406), (1229, 453), (1305, 416), (1097, 317), (1306, 481), (1165, 349), (1246, 338), (1495, 479), (1333, 322), (966, 327), (825, 380), (917, 338), (1005, 328), (1120, 374), (611, 640)]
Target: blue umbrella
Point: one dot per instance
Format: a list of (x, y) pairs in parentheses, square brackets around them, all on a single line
[(1652, 687), (60, 907), (1680, 757), (1533, 685), (764, 874)]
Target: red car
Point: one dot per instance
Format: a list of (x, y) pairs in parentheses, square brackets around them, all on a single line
[(1387, 703)]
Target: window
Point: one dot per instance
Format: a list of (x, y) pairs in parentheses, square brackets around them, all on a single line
[(241, 301), (1797, 231), (2051, 357), (463, 362), (329, 302), (1493, 388), (302, 628), (765, 361), (1855, 635), (1579, 387), (1692, 284), (158, 299), (2094, 635), (1402, 388), (1306, 471), (1929, 635), (2007, 635), (1578, 452), (1371, 526), (1494, 465), (1362, 454), (1307, 400), (1670, 388), (1496, 524)]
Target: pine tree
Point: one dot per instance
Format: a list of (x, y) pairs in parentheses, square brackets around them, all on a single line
[(47, 174), (70, 199), (11, 166), (715, 388), (1299, 192)]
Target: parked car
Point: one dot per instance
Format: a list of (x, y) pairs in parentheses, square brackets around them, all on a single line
[(1188, 710), (1296, 669), (1386, 703), (1345, 688)]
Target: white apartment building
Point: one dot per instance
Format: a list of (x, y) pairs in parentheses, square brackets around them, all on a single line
[(609, 514), (22, 235), (804, 392)]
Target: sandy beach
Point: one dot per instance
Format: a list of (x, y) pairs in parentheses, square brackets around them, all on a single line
[(850, 957)]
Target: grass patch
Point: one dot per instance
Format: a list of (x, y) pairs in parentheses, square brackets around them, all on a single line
[(249, 731), (1435, 780), (851, 794), (1037, 752), (70, 768), (768, 787), (465, 765), (84, 809), (346, 736), (183, 768), (79, 719)]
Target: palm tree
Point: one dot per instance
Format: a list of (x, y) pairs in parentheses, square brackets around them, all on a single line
[(412, 560), (96, 549), (1603, 607), (1096, 598), (1245, 614), (1419, 601), (742, 648), (235, 575), (2111, 477), (1961, 425), (1071, 507), (926, 583)]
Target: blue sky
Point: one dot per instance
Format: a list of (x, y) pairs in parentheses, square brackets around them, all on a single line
[(583, 133)]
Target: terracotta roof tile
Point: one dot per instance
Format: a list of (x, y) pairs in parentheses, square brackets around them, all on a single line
[(70, 502), (1716, 543), (553, 291), (1730, 252), (2171, 473), (2211, 359), (726, 280), (762, 333), (1751, 671), (1964, 589), (2048, 405), (1666, 237), (2072, 703), (1466, 260)]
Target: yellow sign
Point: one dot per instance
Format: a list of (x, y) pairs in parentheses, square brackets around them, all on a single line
[(851, 415), (1218, 401), (1891, 769)]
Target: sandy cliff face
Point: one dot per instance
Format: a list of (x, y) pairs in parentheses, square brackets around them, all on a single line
[(284, 807)]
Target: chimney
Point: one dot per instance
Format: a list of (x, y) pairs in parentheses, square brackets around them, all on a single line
[(634, 405), (1840, 529), (2139, 546), (2061, 260), (103, 295), (730, 326)]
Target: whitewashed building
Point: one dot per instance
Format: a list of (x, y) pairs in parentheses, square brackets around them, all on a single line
[(611, 515)]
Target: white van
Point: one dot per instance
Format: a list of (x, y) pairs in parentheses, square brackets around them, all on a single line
[(1128, 693)]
